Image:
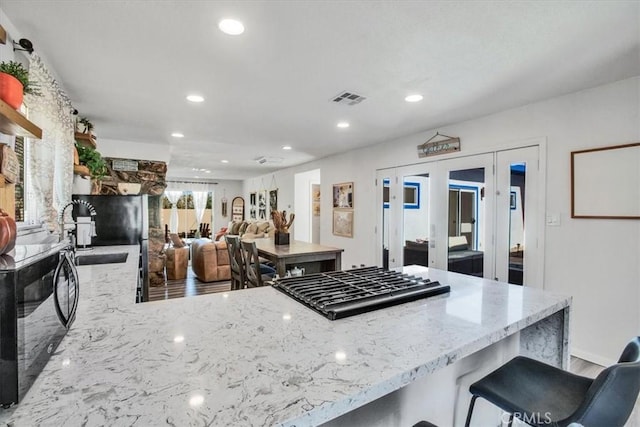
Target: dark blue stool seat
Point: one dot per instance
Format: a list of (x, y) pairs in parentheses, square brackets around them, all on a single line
[(542, 395)]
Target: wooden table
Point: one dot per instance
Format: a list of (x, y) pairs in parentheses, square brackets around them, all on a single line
[(310, 256)]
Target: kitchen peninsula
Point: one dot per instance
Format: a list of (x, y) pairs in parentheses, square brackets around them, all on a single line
[(256, 357)]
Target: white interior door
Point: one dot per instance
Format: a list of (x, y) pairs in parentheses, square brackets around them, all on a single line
[(465, 223), (519, 215)]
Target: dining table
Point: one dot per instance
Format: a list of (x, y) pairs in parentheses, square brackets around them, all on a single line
[(311, 257)]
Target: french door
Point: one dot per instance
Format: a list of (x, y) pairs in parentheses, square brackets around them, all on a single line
[(459, 215)]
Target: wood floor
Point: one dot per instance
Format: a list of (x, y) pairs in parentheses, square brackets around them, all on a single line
[(188, 287)]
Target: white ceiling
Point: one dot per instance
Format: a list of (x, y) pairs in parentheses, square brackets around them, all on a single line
[(128, 66)]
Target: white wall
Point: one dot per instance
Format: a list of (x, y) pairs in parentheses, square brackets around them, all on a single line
[(596, 261), (230, 188)]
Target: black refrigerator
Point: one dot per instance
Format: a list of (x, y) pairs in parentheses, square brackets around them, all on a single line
[(121, 220)]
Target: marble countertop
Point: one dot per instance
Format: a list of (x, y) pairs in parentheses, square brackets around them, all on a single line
[(255, 357)]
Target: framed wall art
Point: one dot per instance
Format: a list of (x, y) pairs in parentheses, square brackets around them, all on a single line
[(605, 182), (253, 211), (343, 222), (262, 204), (273, 200), (343, 195)]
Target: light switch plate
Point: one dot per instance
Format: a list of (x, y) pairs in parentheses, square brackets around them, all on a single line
[(553, 220)]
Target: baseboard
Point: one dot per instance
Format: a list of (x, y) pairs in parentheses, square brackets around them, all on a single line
[(593, 358)]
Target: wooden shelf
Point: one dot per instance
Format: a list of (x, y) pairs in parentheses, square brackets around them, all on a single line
[(86, 139), (12, 122)]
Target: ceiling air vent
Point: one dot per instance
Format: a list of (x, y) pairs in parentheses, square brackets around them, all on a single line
[(348, 98), (269, 160)]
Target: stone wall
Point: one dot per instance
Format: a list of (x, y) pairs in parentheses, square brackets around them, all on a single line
[(150, 175), (156, 243), (152, 179)]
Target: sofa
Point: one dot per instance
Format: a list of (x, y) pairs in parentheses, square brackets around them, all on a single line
[(210, 260), (251, 229)]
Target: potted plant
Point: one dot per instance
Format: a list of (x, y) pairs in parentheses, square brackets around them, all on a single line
[(14, 83), (85, 125), (96, 169)]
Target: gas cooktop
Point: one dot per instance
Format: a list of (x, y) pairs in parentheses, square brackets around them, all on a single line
[(340, 294)]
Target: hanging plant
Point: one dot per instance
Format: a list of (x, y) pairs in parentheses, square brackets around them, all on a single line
[(91, 158)]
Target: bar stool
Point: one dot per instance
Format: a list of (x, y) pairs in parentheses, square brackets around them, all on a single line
[(542, 395)]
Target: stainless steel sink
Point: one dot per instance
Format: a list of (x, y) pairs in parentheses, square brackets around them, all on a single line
[(91, 259)]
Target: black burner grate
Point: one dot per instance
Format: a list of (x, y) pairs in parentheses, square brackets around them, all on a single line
[(339, 294)]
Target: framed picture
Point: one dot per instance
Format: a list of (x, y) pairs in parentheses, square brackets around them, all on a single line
[(253, 211), (315, 199), (343, 195), (343, 222), (601, 183), (262, 205), (273, 200)]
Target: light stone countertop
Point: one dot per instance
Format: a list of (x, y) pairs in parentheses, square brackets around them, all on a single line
[(255, 357)]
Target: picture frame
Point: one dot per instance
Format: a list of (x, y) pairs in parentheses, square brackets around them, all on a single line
[(273, 200), (596, 172), (343, 195), (253, 212), (262, 205), (343, 222)]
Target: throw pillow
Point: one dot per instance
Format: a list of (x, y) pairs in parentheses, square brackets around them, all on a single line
[(263, 226), (176, 240), (243, 228), (252, 228), (235, 229)]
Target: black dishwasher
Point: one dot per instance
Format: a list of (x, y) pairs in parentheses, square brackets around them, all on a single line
[(38, 300)]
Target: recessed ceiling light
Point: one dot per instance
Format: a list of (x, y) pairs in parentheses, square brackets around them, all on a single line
[(413, 98), (207, 171), (177, 135), (231, 27), (196, 400), (343, 125), (224, 161), (286, 147), (195, 98), (178, 338)]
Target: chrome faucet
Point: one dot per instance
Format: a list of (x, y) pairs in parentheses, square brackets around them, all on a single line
[(61, 223)]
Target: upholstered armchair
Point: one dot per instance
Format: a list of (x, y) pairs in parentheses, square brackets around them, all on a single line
[(210, 260)]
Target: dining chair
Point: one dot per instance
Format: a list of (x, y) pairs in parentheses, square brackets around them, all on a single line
[(255, 273), (543, 395), (236, 262)]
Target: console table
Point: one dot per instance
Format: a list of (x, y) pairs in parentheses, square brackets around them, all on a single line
[(313, 257)]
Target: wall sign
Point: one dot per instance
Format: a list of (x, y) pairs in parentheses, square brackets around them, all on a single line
[(124, 165), (434, 148)]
